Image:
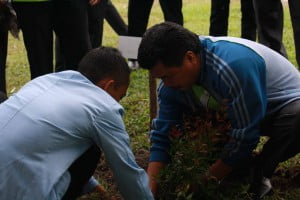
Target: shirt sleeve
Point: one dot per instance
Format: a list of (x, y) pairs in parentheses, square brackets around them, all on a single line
[(113, 139), (243, 86), (169, 117)]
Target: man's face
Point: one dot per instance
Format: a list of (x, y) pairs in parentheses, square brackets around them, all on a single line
[(118, 92), (179, 77)]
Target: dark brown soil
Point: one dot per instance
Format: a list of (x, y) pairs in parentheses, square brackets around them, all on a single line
[(283, 179), (105, 174)]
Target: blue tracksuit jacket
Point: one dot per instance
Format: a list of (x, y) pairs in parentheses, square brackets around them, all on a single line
[(254, 80)]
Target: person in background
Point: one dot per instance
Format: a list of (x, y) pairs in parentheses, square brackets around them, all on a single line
[(64, 121), (35, 21), (8, 22), (269, 18), (38, 19), (3, 97), (259, 87), (219, 19), (104, 10), (96, 14), (115, 20), (138, 16), (71, 26)]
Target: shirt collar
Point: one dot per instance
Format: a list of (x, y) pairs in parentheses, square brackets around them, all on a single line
[(202, 65)]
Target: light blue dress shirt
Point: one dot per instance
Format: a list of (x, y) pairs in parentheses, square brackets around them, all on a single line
[(48, 124)]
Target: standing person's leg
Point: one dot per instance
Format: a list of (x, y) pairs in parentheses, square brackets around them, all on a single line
[(172, 10), (71, 26), (81, 171), (248, 20), (219, 17), (95, 23), (3, 55), (3, 97), (114, 19), (96, 15), (269, 21), (283, 129), (138, 16), (59, 60), (35, 20), (295, 16)]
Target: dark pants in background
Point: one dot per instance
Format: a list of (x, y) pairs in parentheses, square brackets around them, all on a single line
[(3, 97), (81, 171), (96, 14), (219, 19), (283, 128), (71, 26), (294, 6), (114, 19), (68, 18), (269, 18), (3, 55), (35, 20), (139, 11)]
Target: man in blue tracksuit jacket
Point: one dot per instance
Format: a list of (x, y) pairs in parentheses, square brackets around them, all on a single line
[(259, 87)]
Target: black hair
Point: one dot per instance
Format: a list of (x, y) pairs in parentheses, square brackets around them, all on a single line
[(105, 62), (166, 43)]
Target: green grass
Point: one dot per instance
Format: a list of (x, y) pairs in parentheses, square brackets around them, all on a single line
[(196, 18)]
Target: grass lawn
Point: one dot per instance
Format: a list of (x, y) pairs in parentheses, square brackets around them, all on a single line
[(136, 104)]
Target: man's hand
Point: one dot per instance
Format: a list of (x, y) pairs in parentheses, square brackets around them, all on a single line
[(103, 192), (100, 189), (153, 172), (94, 2), (219, 170)]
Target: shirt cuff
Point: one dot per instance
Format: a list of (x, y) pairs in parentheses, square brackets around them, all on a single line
[(90, 185)]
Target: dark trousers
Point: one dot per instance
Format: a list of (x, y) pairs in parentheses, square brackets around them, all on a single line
[(114, 19), (219, 19), (81, 171), (139, 11), (294, 6), (71, 26), (69, 20), (95, 22), (3, 55), (96, 14), (3, 97), (269, 18), (35, 20), (283, 129)]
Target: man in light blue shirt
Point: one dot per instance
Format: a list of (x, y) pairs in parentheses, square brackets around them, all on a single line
[(52, 129), (259, 88)]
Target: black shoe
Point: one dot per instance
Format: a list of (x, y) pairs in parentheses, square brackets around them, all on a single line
[(260, 189), (133, 64)]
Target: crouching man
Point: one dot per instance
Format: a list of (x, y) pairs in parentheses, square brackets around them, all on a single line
[(259, 87), (53, 129)]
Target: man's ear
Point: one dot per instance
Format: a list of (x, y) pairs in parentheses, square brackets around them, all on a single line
[(106, 84), (192, 57)]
